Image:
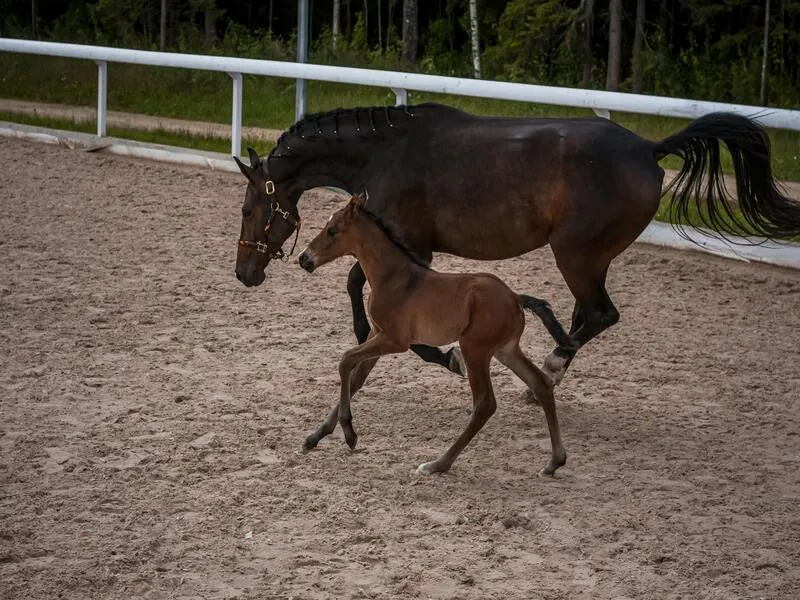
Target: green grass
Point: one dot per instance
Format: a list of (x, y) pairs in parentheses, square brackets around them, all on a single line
[(183, 140)]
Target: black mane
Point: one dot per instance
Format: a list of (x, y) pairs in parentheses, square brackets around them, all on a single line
[(393, 238), (375, 122)]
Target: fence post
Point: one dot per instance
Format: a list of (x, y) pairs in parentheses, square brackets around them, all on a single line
[(302, 57), (401, 96), (236, 115), (102, 88)]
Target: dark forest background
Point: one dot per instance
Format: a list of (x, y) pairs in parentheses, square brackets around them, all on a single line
[(705, 49)]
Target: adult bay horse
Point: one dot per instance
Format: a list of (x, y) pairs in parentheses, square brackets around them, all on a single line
[(492, 188)]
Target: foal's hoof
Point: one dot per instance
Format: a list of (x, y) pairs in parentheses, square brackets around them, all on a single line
[(351, 438), (557, 460), (455, 361), (528, 397), (429, 468)]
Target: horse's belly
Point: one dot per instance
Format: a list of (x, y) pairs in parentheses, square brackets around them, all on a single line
[(479, 244), (495, 232), (435, 332)]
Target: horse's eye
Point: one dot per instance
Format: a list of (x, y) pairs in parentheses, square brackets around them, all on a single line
[(247, 212), (331, 231)]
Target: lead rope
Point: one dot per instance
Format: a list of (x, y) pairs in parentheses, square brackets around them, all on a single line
[(285, 258)]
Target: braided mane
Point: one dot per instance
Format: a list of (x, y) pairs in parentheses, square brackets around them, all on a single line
[(376, 122)]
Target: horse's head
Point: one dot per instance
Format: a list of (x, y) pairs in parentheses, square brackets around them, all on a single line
[(268, 220), (336, 239)]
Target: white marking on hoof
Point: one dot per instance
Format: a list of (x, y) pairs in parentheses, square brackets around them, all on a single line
[(555, 366), (428, 468)]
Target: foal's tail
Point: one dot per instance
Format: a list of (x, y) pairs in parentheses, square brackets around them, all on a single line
[(542, 310), (762, 209)]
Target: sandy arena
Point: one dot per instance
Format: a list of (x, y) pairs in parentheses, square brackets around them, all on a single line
[(153, 411)]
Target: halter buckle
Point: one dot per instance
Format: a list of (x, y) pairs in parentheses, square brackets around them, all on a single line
[(269, 187)]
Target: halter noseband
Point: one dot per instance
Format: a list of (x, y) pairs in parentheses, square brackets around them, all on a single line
[(266, 247)]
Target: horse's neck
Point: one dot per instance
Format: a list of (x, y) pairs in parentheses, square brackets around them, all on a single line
[(332, 149), (339, 172)]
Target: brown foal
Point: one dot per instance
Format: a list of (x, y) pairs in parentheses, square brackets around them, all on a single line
[(412, 304)]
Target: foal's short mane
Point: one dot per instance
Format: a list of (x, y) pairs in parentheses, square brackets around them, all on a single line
[(393, 238)]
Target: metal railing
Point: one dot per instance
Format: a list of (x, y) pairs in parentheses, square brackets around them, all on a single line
[(599, 101)]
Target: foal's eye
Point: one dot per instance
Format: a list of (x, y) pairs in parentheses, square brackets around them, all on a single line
[(331, 231), (247, 212)]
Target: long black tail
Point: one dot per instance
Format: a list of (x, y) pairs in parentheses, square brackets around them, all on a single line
[(542, 310), (763, 210)]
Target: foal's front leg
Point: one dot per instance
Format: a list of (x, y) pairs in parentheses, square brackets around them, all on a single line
[(377, 345)]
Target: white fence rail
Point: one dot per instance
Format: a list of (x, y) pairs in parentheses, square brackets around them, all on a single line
[(599, 101)]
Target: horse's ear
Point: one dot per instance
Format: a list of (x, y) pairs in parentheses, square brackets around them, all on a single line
[(249, 172), (254, 159), (359, 200)]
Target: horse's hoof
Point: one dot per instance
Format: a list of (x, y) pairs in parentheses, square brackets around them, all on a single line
[(309, 444), (456, 362), (528, 397), (555, 366)]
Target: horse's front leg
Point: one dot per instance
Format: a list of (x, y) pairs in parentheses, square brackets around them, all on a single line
[(451, 359), (355, 289)]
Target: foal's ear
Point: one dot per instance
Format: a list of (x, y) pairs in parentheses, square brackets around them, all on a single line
[(249, 172), (359, 200), (254, 159)]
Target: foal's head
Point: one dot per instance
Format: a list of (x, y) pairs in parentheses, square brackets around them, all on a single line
[(336, 239), (268, 220)]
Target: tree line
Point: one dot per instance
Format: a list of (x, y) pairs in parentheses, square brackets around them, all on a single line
[(728, 50)]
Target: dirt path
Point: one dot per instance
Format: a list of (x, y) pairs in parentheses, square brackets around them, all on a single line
[(126, 120), (153, 409)]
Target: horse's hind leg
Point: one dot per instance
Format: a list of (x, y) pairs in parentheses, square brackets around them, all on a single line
[(594, 312), (513, 358), (483, 407), (356, 279), (606, 223)]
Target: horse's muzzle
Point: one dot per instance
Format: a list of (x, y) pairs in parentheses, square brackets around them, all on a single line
[(250, 275), (306, 261)]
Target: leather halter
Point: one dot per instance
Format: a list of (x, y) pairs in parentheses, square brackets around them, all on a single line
[(266, 247)]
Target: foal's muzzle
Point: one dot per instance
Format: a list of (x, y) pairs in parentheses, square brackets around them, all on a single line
[(306, 261)]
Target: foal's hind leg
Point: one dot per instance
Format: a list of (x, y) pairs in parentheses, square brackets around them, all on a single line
[(541, 387), (356, 279), (483, 407)]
